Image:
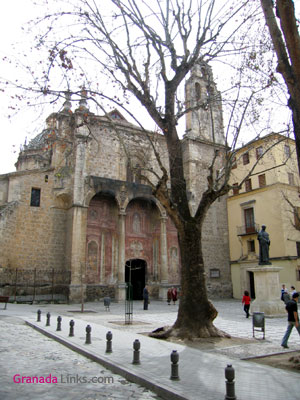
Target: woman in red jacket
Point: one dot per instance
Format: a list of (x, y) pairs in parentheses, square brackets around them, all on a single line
[(246, 301)]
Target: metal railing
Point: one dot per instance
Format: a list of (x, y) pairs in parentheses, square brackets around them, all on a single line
[(247, 229), (37, 284)]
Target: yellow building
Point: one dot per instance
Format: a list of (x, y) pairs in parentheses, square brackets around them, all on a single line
[(267, 191)]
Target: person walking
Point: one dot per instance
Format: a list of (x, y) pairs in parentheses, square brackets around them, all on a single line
[(146, 297), (246, 301), (293, 319), (174, 295), (285, 297), (169, 296)]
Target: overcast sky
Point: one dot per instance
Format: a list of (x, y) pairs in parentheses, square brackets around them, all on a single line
[(22, 126), (14, 15)]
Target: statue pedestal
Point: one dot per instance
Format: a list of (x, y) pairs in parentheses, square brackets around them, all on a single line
[(267, 290)]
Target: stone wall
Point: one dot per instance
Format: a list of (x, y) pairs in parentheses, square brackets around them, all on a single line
[(70, 164), (33, 236)]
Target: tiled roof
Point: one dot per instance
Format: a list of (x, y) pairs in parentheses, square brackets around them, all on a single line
[(39, 141)]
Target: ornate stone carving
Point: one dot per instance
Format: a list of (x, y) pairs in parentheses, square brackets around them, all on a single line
[(136, 249)]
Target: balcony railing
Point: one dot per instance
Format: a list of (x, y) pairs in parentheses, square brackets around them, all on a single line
[(247, 230)]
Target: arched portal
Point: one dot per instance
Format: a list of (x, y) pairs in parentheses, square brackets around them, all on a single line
[(135, 273)]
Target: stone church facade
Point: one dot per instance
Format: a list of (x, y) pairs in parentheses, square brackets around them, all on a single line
[(79, 201)]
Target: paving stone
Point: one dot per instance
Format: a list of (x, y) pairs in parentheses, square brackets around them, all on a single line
[(201, 371)]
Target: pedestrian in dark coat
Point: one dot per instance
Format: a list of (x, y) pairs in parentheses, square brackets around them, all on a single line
[(169, 296), (174, 295)]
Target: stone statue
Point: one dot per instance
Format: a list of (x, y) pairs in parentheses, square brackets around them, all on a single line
[(264, 244)]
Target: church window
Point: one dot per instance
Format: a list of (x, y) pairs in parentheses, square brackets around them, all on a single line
[(35, 197), (134, 173), (129, 174)]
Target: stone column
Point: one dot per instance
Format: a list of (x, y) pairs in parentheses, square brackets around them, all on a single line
[(163, 259), (267, 290), (77, 250), (120, 295), (78, 221)]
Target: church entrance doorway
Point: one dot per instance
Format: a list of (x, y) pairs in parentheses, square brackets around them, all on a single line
[(135, 273)]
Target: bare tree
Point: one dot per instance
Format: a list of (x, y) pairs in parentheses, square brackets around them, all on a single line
[(148, 51), (283, 27)]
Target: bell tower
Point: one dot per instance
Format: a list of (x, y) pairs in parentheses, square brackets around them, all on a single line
[(204, 119)]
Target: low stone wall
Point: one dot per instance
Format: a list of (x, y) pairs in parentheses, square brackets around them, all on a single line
[(97, 292), (34, 284)]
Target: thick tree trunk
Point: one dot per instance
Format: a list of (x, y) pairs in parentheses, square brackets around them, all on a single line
[(196, 313)]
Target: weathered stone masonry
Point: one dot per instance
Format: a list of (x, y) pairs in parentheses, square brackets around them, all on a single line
[(95, 216)]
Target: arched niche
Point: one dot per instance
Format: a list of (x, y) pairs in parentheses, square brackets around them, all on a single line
[(102, 228)]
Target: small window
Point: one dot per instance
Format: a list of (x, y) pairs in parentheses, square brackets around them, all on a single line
[(246, 158), (262, 180), (298, 249), (234, 165), (259, 152), (287, 150), (291, 179), (251, 246), (248, 185), (297, 218), (35, 197), (249, 220), (235, 189), (134, 173)]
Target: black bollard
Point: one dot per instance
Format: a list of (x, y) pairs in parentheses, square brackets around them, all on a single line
[(48, 319), (72, 323), (136, 352), (108, 342), (59, 323), (229, 375), (174, 366), (39, 312), (88, 330)]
